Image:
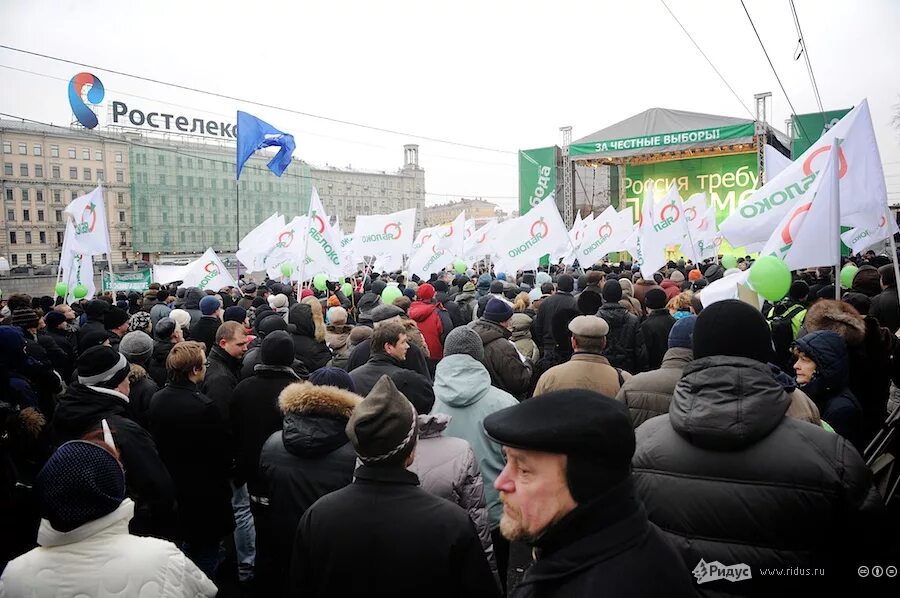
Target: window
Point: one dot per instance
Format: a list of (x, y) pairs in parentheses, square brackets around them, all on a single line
[(123, 237), (121, 216), (54, 172), (56, 198), (165, 216), (39, 195), (85, 154), (144, 236), (118, 157), (181, 219), (9, 195), (98, 155), (7, 147), (26, 214), (87, 174), (44, 258), (162, 160), (42, 236), (7, 168), (120, 176), (28, 258), (12, 237), (73, 173), (99, 174), (38, 151), (27, 237), (179, 180), (190, 180), (59, 237), (24, 195), (58, 214), (54, 151), (23, 149), (23, 169), (182, 236), (192, 218), (178, 161), (15, 259), (40, 216), (39, 171), (162, 179), (121, 198), (72, 153)]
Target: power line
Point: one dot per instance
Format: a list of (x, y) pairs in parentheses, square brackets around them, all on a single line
[(780, 84), (253, 102), (699, 49), (805, 52)]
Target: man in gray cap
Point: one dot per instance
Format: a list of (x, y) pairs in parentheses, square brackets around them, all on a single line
[(567, 491), (383, 534), (588, 368)]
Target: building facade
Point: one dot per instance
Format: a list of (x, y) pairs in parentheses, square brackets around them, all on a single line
[(44, 169), (476, 209)]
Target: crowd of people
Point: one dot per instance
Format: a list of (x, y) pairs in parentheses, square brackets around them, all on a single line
[(277, 440)]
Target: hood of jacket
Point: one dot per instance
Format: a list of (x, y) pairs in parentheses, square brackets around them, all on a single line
[(464, 297), (520, 323), (627, 288), (301, 316), (114, 523), (677, 357), (461, 380), (727, 403), (315, 418), (829, 352), (160, 351), (615, 314), (368, 301), (431, 425), (82, 407), (337, 337), (192, 298), (136, 374), (490, 331), (420, 311), (839, 317)]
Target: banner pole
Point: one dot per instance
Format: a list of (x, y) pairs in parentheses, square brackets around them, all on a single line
[(836, 213), (237, 241)]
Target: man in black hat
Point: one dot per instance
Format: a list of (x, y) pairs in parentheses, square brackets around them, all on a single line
[(383, 534), (624, 344), (567, 490), (116, 323), (561, 299), (94, 310), (655, 329)]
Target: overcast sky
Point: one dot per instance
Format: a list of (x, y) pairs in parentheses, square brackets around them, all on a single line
[(497, 74)]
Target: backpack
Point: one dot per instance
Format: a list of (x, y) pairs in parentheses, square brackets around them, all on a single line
[(783, 334)]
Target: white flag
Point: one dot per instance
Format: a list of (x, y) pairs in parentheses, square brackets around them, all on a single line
[(861, 180), (206, 272), (453, 239), (807, 235), (661, 225), (861, 238), (384, 234), (349, 265), (481, 243), (321, 243), (77, 268), (604, 234), (774, 162), (91, 232), (521, 242), (254, 247), (724, 288), (262, 230), (427, 259)]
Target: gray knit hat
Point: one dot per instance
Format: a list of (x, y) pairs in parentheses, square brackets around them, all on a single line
[(382, 428), (464, 341), (136, 346)]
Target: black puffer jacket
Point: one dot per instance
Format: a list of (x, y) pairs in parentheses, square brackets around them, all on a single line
[(314, 354), (543, 322), (221, 378), (625, 347), (729, 478), (379, 364)]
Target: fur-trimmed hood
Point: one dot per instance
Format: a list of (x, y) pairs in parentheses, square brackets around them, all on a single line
[(837, 316), (305, 398), (137, 373)]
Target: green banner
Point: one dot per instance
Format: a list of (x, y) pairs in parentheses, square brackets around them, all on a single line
[(537, 176), (663, 139), (126, 281), (809, 127)]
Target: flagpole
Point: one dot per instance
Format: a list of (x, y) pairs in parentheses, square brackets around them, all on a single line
[(237, 199), (836, 213)]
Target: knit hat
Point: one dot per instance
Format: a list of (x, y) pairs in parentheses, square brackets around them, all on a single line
[(655, 298), (209, 305), (25, 318), (12, 345), (542, 277), (269, 322), (101, 366), (277, 348), (799, 290), (164, 329), (589, 302), (565, 283), (95, 308), (53, 319), (92, 338), (425, 292), (417, 389), (80, 482), (681, 334), (122, 304), (306, 293), (181, 318), (462, 340), (330, 376), (732, 327), (358, 335), (468, 287), (278, 301), (612, 291), (382, 427), (676, 276), (136, 346), (115, 317), (695, 275), (139, 321), (498, 311), (440, 286), (496, 287), (235, 313)]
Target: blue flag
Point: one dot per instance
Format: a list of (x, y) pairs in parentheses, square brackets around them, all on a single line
[(254, 134)]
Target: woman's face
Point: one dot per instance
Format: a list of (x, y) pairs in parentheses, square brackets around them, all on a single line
[(805, 368)]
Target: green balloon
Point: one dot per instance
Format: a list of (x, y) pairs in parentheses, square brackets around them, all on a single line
[(320, 281), (389, 294), (287, 270), (80, 291), (459, 266), (729, 261), (770, 277), (347, 289), (847, 274), (61, 289)]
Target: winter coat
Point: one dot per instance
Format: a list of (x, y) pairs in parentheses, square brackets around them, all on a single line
[(672, 288), (605, 543), (447, 467), (379, 364), (158, 312), (641, 287), (383, 533), (414, 335), (452, 310), (655, 332), (502, 359), (255, 416), (584, 370), (192, 297), (427, 316), (415, 358), (468, 305), (828, 386), (729, 478), (253, 358), (648, 394), (147, 479), (886, 309), (337, 338), (68, 344), (90, 325), (543, 322), (156, 365), (314, 354), (306, 459), (142, 390), (462, 390), (221, 377), (521, 336), (194, 444), (624, 343), (628, 301), (100, 558), (204, 331)]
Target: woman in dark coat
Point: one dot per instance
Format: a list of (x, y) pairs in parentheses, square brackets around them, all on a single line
[(309, 337)]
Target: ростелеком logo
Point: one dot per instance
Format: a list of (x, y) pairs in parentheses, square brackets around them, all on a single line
[(94, 95)]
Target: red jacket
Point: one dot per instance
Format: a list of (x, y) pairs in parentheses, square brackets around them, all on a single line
[(427, 318), (672, 288)]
